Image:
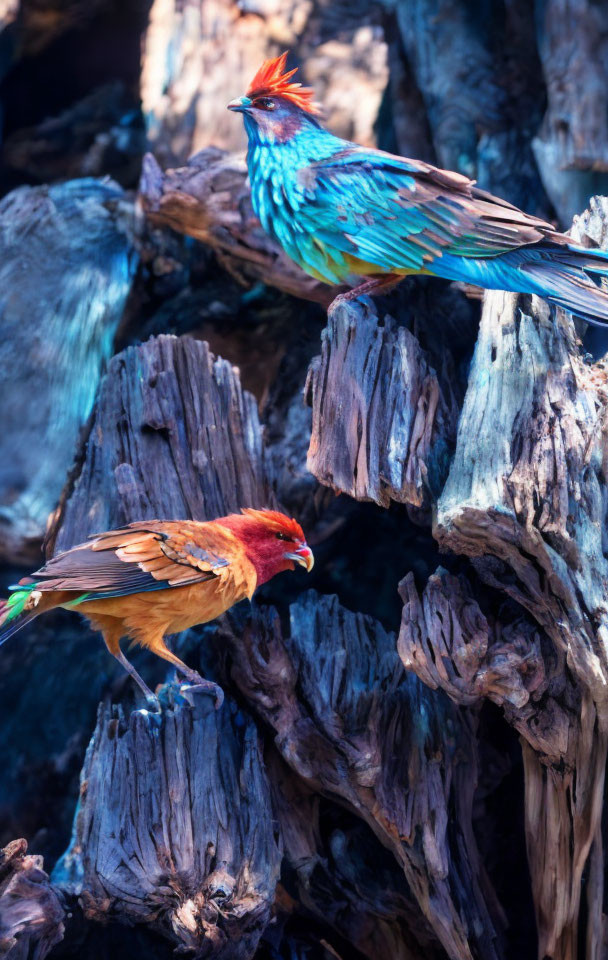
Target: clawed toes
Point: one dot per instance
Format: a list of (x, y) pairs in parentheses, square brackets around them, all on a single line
[(205, 686)]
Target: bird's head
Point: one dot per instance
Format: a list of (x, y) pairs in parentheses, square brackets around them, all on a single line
[(272, 541), (273, 108)]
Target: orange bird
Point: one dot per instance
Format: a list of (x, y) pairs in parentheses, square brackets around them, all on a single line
[(157, 577)]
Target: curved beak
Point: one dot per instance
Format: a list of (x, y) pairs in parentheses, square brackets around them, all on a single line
[(240, 105), (303, 556)]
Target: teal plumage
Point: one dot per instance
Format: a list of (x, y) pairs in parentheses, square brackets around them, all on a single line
[(346, 213)]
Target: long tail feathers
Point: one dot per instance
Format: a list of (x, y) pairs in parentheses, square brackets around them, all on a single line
[(18, 610), (567, 276)]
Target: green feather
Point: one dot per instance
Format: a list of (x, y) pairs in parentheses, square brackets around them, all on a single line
[(17, 600)]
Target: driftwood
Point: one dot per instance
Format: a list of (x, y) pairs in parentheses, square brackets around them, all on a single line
[(351, 724), (209, 200), (66, 264), (174, 827), (139, 409), (31, 915)]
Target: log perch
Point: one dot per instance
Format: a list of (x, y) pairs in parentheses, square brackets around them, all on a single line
[(174, 827), (209, 199)]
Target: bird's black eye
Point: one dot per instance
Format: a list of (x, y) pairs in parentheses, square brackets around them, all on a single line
[(283, 536), (265, 103)]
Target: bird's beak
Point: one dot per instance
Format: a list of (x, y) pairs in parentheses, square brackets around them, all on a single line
[(240, 105), (303, 556)]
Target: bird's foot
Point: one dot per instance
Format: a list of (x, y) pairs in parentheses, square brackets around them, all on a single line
[(194, 681), (153, 703), (373, 285)]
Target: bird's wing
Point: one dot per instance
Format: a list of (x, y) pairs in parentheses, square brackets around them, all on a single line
[(402, 214), (144, 556)]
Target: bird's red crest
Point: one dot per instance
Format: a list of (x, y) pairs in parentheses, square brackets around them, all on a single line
[(276, 521), (270, 80)]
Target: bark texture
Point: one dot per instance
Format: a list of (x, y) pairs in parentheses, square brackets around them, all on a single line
[(174, 827), (166, 410), (403, 775), (383, 425), (31, 915), (209, 200)]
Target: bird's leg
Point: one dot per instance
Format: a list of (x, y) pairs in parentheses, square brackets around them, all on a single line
[(153, 701), (111, 634), (158, 646), (373, 285)]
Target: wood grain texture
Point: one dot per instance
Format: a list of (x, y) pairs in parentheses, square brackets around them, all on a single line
[(209, 199), (174, 827), (354, 726), (383, 425), (31, 914), (173, 436), (525, 500)]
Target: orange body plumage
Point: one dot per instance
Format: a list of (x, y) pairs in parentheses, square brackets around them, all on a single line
[(155, 578)]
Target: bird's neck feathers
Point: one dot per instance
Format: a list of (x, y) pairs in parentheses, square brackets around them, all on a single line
[(263, 550), (295, 137)]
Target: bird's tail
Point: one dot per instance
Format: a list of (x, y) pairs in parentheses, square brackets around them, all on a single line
[(20, 607), (566, 276)]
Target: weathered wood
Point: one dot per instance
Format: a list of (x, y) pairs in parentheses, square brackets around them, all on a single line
[(66, 264), (354, 726), (31, 915), (345, 878), (571, 147), (524, 499), (173, 436), (382, 426), (448, 641), (478, 76), (209, 200), (198, 57), (174, 827)]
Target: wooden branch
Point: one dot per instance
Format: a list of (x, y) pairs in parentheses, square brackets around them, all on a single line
[(31, 915), (173, 435), (209, 200), (174, 827), (382, 425), (66, 264), (349, 722)]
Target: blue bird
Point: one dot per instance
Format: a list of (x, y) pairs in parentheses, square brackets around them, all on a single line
[(354, 215)]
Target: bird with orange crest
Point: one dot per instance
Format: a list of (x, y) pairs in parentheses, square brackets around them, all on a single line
[(352, 215)]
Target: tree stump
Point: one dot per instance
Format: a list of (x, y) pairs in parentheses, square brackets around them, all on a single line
[(31, 915)]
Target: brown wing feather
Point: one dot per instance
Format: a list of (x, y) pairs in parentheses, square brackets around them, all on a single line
[(139, 557)]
